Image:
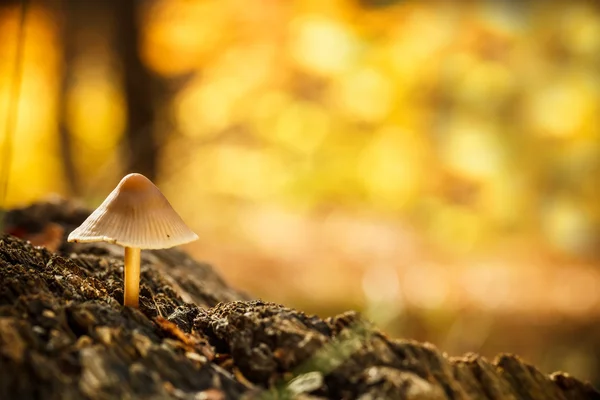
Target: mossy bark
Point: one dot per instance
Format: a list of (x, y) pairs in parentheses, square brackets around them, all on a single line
[(64, 334)]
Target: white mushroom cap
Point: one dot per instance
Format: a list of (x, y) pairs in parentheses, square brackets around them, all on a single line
[(135, 214)]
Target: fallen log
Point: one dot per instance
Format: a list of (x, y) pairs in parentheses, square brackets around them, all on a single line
[(65, 335)]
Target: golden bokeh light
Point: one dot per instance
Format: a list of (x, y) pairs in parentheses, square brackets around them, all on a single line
[(393, 167), (180, 35), (36, 128), (473, 149), (365, 94), (97, 98), (322, 45)]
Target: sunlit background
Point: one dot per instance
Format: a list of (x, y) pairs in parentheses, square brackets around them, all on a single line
[(433, 164)]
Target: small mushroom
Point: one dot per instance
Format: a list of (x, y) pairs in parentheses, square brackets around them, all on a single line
[(135, 215)]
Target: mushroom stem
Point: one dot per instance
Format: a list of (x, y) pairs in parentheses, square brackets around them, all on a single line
[(132, 276)]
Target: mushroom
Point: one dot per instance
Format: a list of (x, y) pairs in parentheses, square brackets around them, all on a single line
[(135, 215)]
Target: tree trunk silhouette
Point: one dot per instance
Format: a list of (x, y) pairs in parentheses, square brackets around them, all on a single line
[(141, 91), (116, 23), (72, 15)]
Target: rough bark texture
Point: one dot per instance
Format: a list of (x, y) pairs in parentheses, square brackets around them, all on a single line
[(65, 335)]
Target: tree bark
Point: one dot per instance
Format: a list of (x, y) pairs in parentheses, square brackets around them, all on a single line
[(65, 335)]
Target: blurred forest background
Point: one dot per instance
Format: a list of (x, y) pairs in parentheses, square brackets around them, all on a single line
[(433, 164)]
